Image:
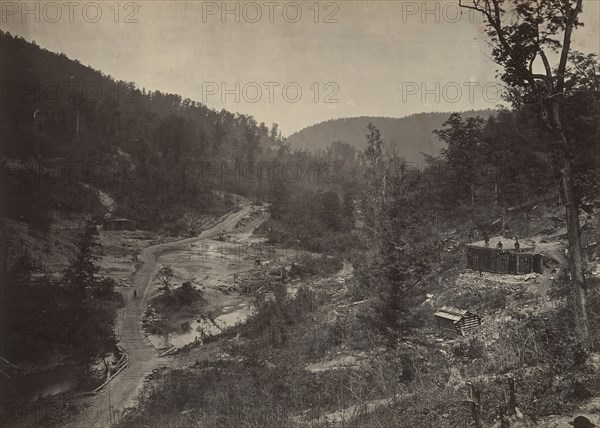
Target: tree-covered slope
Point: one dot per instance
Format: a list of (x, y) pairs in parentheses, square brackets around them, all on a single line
[(411, 135)]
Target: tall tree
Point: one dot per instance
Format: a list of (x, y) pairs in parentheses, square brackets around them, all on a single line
[(401, 257), (348, 206), (252, 140), (81, 274), (374, 178), (521, 47), (330, 210), (374, 150), (463, 139), (278, 197), (275, 133)]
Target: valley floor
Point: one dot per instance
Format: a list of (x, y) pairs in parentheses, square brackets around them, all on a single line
[(318, 365), (323, 368)]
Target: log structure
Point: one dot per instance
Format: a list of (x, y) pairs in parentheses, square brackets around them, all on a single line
[(504, 261), (456, 321)]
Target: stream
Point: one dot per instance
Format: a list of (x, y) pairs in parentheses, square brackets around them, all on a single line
[(30, 387), (202, 328), (209, 264)]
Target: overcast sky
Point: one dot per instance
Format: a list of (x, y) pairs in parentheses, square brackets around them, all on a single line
[(374, 59)]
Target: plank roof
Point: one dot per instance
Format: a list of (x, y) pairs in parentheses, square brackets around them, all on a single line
[(450, 313)]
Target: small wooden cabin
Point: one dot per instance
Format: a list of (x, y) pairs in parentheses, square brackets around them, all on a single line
[(458, 321), (118, 223), (504, 261)]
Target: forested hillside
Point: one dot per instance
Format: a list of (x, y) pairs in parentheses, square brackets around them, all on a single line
[(409, 136), (158, 154)]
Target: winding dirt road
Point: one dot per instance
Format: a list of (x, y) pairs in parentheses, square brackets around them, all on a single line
[(103, 408)]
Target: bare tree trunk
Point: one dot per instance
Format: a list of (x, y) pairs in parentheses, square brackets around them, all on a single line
[(512, 397), (77, 125), (575, 259), (549, 99), (496, 193), (107, 368), (504, 421)]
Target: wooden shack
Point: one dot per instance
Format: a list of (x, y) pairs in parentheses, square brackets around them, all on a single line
[(504, 261), (118, 223), (457, 321)]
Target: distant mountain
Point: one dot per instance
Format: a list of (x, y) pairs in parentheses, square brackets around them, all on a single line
[(410, 135)]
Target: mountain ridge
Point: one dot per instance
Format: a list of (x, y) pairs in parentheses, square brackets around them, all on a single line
[(410, 136)]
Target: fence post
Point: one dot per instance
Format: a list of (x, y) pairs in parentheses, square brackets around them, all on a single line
[(475, 395), (512, 399)]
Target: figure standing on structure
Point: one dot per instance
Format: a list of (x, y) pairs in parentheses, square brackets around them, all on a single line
[(499, 245), (486, 239), (517, 245)]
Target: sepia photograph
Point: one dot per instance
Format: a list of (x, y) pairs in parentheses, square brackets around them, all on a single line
[(300, 214)]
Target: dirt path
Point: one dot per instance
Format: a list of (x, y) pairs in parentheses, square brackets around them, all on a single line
[(103, 408)]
